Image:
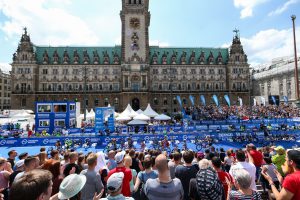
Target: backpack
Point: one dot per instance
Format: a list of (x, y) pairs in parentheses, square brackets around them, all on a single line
[(142, 192)]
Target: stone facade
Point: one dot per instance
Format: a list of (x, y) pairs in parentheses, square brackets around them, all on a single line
[(133, 73), (5, 90), (277, 78)]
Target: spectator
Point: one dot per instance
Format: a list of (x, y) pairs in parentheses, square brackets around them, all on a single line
[(224, 177), (279, 158), (114, 186), (136, 164), (71, 186), (42, 157), (143, 176), (269, 168), (242, 182), (57, 176), (228, 160), (186, 172), (93, 179), (73, 158), (242, 164), (30, 163), (291, 183), (172, 164), (23, 156), (257, 158), (19, 168), (4, 177), (36, 184), (208, 185), (111, 163), (12, 154), (128, 163), (163, 188), (54, 154), (127, 173)]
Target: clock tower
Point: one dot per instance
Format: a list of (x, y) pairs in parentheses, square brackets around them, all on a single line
[(135, 19)]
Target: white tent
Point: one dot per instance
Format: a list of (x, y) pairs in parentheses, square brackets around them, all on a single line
[(150, 112), (123, 118), (162, 117), (90, 115), (92, 111), (133, 113), (127, 111), (139, 111), (142, 117), (137, 122), (23, 114)]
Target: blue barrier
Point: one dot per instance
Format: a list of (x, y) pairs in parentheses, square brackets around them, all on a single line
[(103, 140)]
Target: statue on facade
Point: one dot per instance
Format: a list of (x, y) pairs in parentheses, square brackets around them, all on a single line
[(134, 39)]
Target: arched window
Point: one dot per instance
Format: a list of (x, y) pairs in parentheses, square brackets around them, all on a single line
[(80, 87), (159, 87), (28, 88), (233, 87), (100, 87), (198, 87), (155, 101), (106, 101), (90, 87), (59, 87), (179, 87), (165, 101), (49, 87), (70, 87), (174, 101), (189, 87), (116, 101), (217, 86)]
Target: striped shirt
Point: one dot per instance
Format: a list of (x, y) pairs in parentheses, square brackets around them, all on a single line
[(237, 195)]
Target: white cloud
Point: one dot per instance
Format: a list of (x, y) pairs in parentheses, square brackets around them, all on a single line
[(158, 43), (47, 24), (269, 44), (5, 67), (283, 7), (247, 6)]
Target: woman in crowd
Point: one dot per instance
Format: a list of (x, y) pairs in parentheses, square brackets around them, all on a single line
[(4, 177), (228, 160)]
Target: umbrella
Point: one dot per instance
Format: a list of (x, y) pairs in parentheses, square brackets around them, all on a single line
[(162, 117), (142, 117)]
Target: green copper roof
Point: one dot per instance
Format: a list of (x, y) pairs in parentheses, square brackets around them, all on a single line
[(111, 51), (169, 51)]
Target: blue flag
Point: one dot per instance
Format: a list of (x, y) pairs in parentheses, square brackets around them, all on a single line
[(215, 98), (192, 100), (203, 100), (226, 97), (274, 100), (286, 100), (179, 101)]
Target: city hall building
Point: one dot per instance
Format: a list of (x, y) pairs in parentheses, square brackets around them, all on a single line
[(133, 73)]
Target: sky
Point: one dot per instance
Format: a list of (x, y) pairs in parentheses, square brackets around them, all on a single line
[(265, 25)]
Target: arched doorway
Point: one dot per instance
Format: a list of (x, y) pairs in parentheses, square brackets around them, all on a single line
[(135, 104)]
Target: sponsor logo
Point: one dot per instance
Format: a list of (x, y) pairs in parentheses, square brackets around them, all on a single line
[(184, 137), (107, 139), (45, 141), (2, 142), (24, 142)]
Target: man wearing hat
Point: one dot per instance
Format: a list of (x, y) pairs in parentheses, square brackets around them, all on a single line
[(114, 187), (119, 158), (279, 158), (291, 183), (19, 167)]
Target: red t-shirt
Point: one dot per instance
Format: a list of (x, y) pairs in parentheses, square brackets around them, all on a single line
[(222, 176), (126, 180), (292, 183), (257, 158)]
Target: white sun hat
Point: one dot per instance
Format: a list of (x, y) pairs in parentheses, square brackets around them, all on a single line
[(71, 185)]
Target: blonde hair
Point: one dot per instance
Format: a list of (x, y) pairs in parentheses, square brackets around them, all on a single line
[(204, 164), (127, 161)]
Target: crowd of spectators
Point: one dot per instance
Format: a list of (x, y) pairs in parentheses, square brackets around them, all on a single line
[(153, 175), (212, 112)]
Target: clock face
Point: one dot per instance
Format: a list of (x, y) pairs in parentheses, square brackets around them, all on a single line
[(135, 23)]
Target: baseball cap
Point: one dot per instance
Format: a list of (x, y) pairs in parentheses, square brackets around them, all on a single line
[(115, 181), (19, 163), (119, 157), (71, 185)]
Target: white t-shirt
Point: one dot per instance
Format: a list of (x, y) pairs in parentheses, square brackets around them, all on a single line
[(249, 167), (19, 175)]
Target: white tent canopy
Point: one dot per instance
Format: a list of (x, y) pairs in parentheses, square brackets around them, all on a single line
[(23, 114), (127, 111), (139, 111), (142, 117), (123, 118), (137, 122), (162, 117), (150, 112)]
